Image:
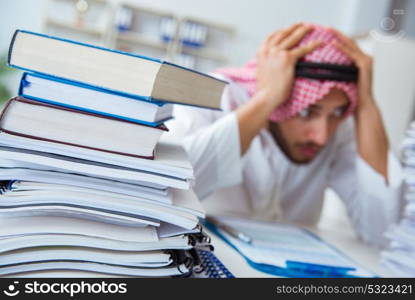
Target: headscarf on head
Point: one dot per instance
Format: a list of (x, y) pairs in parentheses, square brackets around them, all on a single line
[(305, 91)]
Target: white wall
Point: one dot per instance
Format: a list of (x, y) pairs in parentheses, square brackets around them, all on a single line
[(394, 86), (409, 23), (360, 16), (22, 14)]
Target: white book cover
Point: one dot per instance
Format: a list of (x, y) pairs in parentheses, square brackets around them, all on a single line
[(95, 267), (44, 160), (185, 218), (110, 188), (22, 170), (149, 259), (170, 157)]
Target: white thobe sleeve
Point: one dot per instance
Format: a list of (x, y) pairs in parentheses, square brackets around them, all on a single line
[(211, 140), (215, 155), (371, 202)]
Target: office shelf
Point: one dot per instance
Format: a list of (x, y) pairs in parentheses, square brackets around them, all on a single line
[(192, 42)]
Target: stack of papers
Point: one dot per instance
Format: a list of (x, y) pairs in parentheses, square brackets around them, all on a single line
[(36, 243), (398, 259), (60, 212), (85, 183)]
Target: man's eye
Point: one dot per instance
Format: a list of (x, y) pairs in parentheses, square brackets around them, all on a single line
[(304, 113), (339, 112)]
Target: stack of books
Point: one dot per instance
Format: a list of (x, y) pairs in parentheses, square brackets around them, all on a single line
[(399, 258), (89, 182)]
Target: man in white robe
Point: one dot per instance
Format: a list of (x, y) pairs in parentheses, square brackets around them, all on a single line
[(256, 160)]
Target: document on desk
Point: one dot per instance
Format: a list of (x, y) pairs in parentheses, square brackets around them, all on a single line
[(288, 250)]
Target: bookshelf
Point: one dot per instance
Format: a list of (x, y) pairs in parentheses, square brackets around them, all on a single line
[(207, 42), (145, 31), (191, 42), (83, 20)]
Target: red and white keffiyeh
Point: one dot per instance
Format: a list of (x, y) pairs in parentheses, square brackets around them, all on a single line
[(305, 91)]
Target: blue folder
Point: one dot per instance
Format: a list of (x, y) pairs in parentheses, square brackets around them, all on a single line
[(293, 268)]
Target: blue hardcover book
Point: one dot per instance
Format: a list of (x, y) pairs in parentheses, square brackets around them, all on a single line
[(81, 97), (134, 75)]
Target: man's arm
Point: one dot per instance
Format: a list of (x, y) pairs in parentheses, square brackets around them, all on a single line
[(371, 203), (372, 142), (371, 137)]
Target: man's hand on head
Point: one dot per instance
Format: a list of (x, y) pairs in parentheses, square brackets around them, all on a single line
[(276, 59), (372, 141), (364, 63)]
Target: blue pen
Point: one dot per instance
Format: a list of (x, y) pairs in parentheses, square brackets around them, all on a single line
[(230, 230), (323, 270)]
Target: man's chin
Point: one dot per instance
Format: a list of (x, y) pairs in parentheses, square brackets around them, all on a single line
[(301, 159)]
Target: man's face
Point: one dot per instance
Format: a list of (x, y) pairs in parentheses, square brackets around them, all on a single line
[(303, 136)]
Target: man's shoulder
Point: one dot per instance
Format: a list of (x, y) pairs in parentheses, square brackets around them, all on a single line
[(234, 93)]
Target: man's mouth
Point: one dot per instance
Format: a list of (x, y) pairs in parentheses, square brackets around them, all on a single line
[(309, 151)]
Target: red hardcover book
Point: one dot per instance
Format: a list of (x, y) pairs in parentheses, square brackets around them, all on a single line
[(49, 123)]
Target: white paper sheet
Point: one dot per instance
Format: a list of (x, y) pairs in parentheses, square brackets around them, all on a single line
[(275, 244), (60, 225)]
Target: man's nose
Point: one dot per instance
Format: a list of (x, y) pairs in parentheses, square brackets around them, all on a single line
[(318, 131)]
